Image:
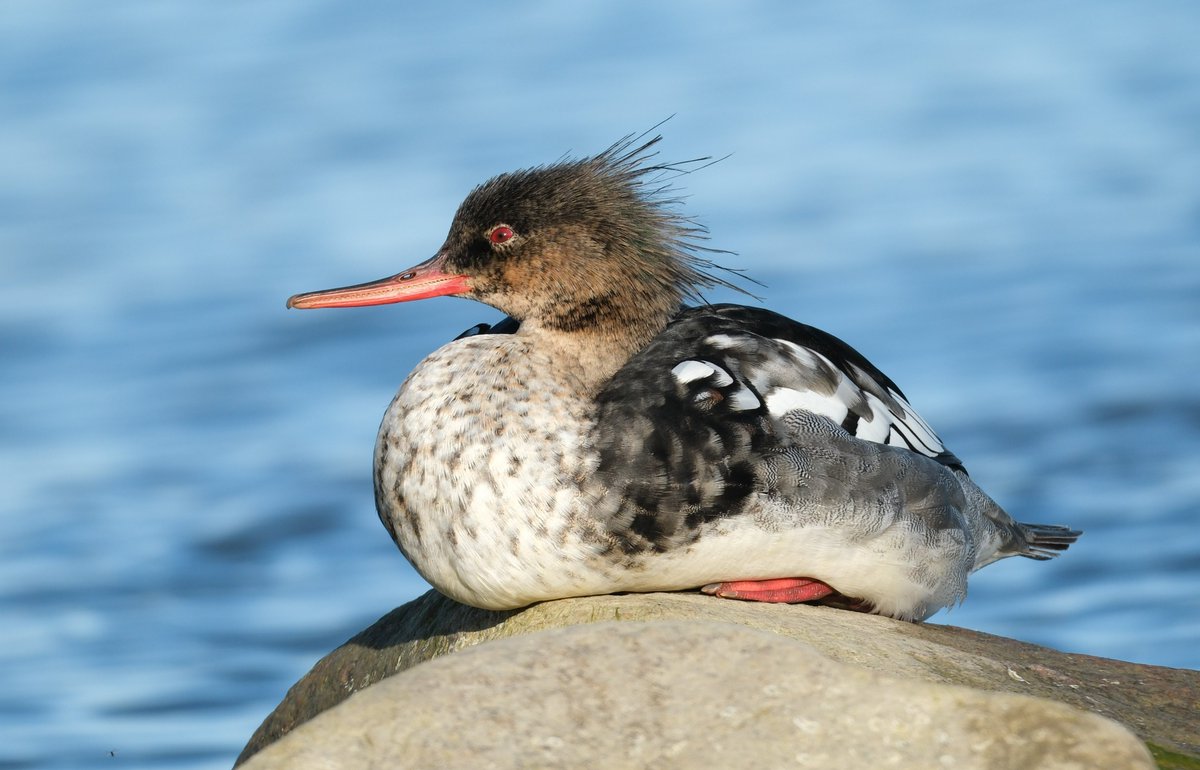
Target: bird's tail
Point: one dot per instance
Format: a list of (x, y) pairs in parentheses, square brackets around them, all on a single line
[(1045, 541)]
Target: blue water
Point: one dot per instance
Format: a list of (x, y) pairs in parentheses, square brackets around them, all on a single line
[(1000, 206)]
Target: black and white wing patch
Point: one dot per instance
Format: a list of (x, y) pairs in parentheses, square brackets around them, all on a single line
[(684, 428), (761, 360), (783, 376), (711, 383)]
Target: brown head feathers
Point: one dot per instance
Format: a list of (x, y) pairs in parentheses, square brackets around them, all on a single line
[(584, 244)]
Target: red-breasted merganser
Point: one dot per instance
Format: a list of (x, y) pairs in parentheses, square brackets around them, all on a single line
[(607, 438)]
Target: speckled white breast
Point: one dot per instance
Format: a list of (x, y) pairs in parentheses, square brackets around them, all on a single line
[(479, 465)]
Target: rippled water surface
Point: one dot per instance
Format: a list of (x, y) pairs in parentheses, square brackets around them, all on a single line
[(1001, 208)]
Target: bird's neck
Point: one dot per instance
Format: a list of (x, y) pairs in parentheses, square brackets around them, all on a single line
[(593, 354), (594, 332)]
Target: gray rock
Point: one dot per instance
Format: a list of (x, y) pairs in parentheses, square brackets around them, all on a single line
[(676, 694), (1158, 704)]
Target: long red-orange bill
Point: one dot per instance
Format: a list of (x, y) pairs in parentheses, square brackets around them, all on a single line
[(427, 279)]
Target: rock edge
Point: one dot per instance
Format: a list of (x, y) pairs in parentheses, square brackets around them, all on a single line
[(1158, 704)]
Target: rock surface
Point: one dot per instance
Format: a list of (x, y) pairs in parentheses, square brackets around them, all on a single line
[(1158, 704), (687, 694)]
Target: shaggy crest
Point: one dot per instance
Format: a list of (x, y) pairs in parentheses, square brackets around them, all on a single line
[(620, 198)]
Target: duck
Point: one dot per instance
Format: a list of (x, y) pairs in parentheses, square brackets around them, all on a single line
[(616, 433)]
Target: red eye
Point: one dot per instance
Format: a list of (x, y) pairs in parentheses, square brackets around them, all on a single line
[(500, 234)]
